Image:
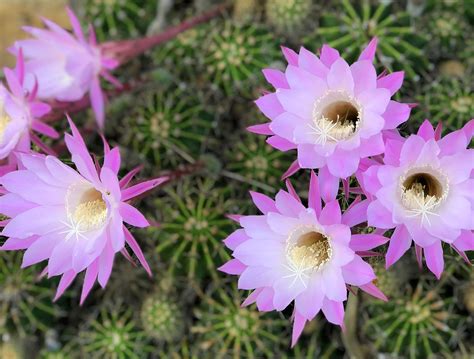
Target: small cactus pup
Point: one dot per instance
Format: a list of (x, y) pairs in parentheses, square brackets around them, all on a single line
[(113, 333), (289, 16), (227, 330), (162, 317)]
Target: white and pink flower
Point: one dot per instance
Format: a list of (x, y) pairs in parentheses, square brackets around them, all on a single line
[(20, 114), (73, 219), (66, 66), (425, 190), (303, 254), (332, 113)]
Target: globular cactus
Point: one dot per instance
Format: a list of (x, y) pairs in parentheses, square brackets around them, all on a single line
[(259, 166), (25, 300), (350, 26), (169, 128), (449, 100), (182, 56), (224, 329), (192, 228), (113, 334), (417, 323), (162, 317), (235, 53), (446, 30), (289, 17), (119, 18)]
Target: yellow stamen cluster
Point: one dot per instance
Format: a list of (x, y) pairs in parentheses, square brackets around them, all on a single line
[(91, 214), (4, 121), (311, 251)]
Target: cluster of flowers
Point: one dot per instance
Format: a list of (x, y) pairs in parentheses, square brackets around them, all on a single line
[(74, 219), (341, 120)]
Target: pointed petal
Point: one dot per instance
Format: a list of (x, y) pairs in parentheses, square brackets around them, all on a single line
[(97, 102), (434, 258), (329, 184), (371, 289), (333, 311), (132, 216), (314, 196), (138, 189), (399, 244), (64, 283), (365, 242), (264, 203), (137, 250), (298, 326), (89, 280), (106, 262), (369, 52)]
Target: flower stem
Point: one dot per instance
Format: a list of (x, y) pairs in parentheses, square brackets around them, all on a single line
[(124, 51)]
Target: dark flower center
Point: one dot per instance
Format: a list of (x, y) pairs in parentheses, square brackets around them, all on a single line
[(343, 114)]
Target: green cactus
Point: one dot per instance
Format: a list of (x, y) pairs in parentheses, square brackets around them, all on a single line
[(256, 162), (419, 323), (25, 300), (69, 351), (288, 16), (447, 31), (235, 54), (349, 28), (170, 128), (162, 317), (190, 235), (113, 334), (227, 330), (182, 55), (449, 100), (119, 18)]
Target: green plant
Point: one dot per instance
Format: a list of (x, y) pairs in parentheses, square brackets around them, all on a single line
[(256, 163), (449, 100), (182, 55), (163, 317), (113, 334), (235, 54), (193, 226), (227, 330), (350, 27), (447, 31), (25, 300), (419, 322), (171, 127), (288, 16), (68, 351), (119, 18)]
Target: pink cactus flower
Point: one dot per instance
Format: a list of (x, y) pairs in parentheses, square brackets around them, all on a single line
[(425, 190), (333, 114), (74, 219), (303, 254), (20, 115), (66, 67)]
